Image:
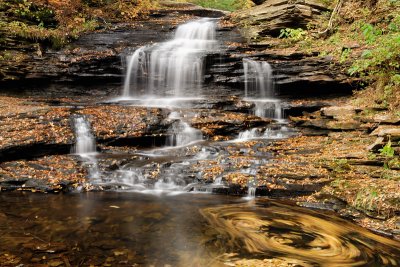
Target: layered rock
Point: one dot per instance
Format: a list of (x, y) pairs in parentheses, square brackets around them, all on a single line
[(273, 15), (296, 75)]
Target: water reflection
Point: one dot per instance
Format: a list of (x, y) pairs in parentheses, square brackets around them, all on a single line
[(124, 229)]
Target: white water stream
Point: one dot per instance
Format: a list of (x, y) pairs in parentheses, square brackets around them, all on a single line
[(260, 89), (170, 68), (85, 147), (181, 133), (170, 75)]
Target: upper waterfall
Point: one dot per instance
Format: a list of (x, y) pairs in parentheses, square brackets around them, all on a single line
[(170, 68)]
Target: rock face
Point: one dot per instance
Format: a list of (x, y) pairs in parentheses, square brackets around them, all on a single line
[(295, 74), (273, 15), (96, 55)]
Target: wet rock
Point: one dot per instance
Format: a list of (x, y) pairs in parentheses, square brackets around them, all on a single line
[(297, 75), (36, 133), (350, 124), (332, 118), (190, 9), (327, 124), (46, 174), (127, 126), (295, 109), (213, 122)]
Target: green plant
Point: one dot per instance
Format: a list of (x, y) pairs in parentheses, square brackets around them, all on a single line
[(293, 35), (339, 183), (382, 58), (83, 26), (371, 156), (394, 163), (37, 14), (387, 150), (345, 55), (370, 33), (367, 199)]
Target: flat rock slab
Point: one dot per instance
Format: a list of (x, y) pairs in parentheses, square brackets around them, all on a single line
[(224, 123), (339, 112), (392, 131), (28, 129), (111, 122), (46, 174)]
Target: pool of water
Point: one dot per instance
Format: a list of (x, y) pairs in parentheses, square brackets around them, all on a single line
[(131, 229)]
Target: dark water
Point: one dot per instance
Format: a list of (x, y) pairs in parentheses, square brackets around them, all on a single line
[(130, 229)]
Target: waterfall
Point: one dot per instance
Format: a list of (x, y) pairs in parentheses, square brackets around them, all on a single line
[(182, 133), (251, 188), (258, 79), (85, 141), (259, 88), (268, 108), (170, 68), (85, 147), (136, 68), (249, 134)]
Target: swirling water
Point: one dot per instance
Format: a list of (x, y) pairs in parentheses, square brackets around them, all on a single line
[(126, 229)]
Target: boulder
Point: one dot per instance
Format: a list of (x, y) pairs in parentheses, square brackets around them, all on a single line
[(273, 15)]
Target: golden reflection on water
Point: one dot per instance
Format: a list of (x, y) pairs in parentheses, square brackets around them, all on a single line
[(295, 236)]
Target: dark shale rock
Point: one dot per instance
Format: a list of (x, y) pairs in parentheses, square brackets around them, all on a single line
[(296, 75)]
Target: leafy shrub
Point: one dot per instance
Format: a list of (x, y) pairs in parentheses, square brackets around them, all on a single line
[(387, 150), (56, 22), (293, 35), (36, 14), (381, 61)]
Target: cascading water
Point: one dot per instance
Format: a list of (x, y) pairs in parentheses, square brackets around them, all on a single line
[(85, 146), (249, 134), (251, 188), (182, 133), (273, 132), (85, 141), (135, 72), (259, 88), (172, 67), (258, 79)]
